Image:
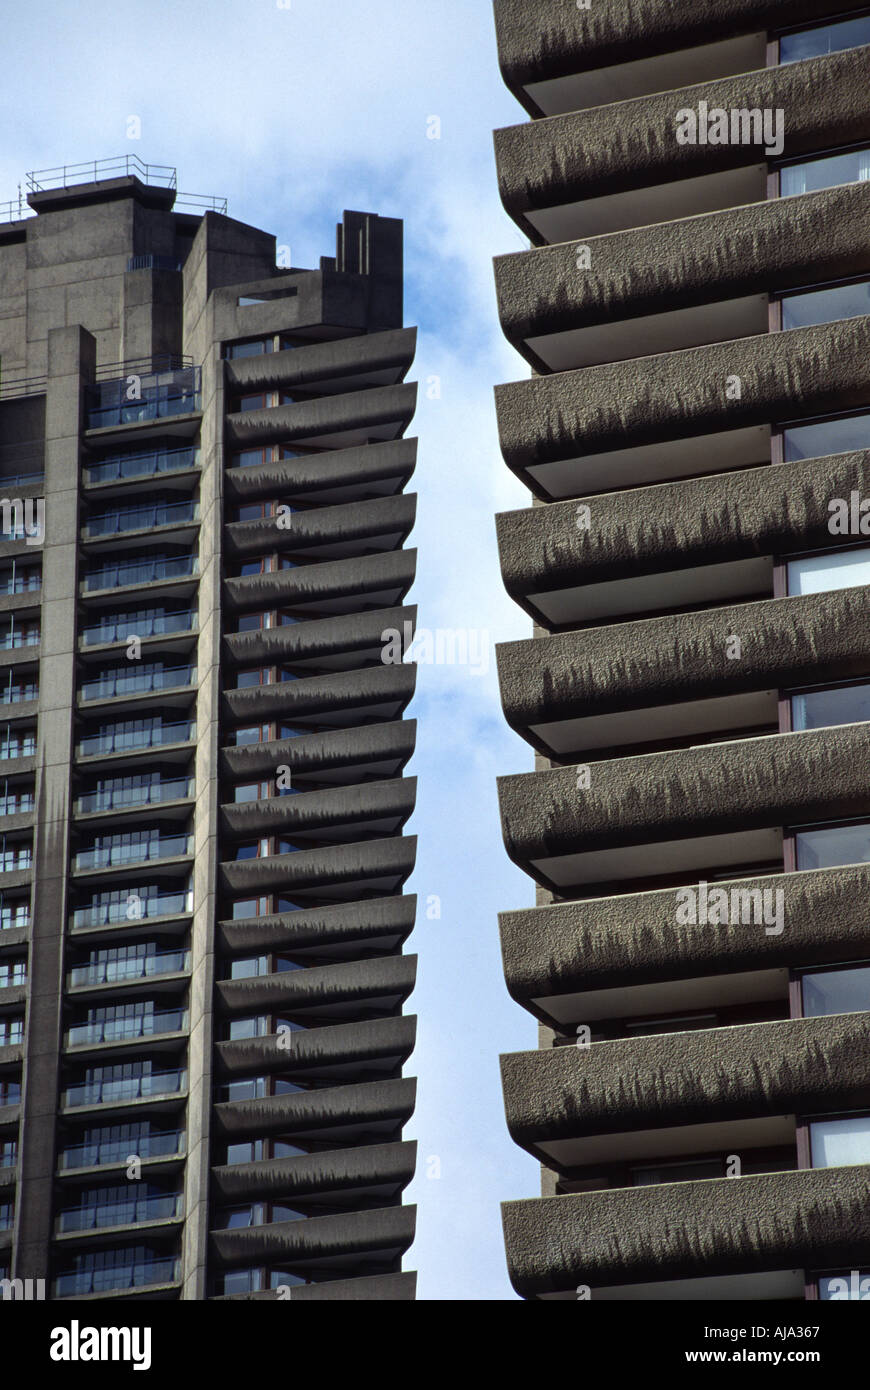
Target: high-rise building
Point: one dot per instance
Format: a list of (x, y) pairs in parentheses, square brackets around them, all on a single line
[(203, 796), (695, 183)]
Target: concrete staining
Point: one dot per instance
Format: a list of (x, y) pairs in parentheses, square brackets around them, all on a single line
[(664, 619)]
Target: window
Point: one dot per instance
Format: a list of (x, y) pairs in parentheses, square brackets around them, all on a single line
[(10, 1094), (240, 1028), (836, 991), (835, 1143), (11, 1031), (844, 435), (833, 845), (258, 733), (817, 574), (855, 1285), (852, 166), (13, 973), (823, 709), (826, 305), (826, 38), (254, 348), (246, 1152)]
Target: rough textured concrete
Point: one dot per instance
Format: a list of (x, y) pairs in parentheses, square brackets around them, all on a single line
[(805, 1065), (617, 942), (682, 1230), (810, 371), (796, 641), (633, 144)]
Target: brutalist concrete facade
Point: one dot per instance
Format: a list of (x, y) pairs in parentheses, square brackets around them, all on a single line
[(698, 824), (202, 967)]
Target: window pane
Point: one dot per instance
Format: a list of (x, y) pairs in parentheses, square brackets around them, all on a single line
[(837, 844), (829, 172), (828, 38), (822, 709), (855, 1286), (825, 306), (821, 573), (835, 1143), (827, 437), (836, 992)]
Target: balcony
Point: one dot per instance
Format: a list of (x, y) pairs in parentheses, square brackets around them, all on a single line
[(120, 855), (118, 910), (332, 422), (621, 1242), (132, 1212), (117, 628), (326, 1242), (158, 396), (108, 972), (127, 573), (146, 517), (154, 1086), (338, 1053), (147, 463), (691, 1092), (332, 992), (655, 418), (124, 682), (682, 292), (122, 739), (116, 1152), (591, 960), (125, 797), (681, 812), (374, 924), (340, 475), (643, 682), (140, 1273), (613, 167), (152, 1025)]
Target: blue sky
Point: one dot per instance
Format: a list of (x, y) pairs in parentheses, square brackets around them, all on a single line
[(295, 112)]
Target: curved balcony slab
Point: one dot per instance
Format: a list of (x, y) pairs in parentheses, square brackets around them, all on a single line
[(551, 820), (375, 865), (324, 637), (371, 1103), (380, 580), (552, 688), (567, 159), (384, 983), (556, 957), (365, 1049), (538, 44), (333, 475), (384, 412), (372, 746), (384, 522), (556, 431), (335, 1171), (799, 1066), (548, 307), (384, 357), (385, 1233), (388, 803), (343, 696), (815, 1219), (381, 921), (553, 569)]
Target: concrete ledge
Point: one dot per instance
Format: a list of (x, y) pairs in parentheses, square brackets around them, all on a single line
[(387, 1231), (802, 1066), (814, 1219), (633, 144), (389, 519), (800, 640), (392, 352), (371, 1102), (759, 249), (353, 410), (378, 686), (392, 800), (373, 1288), (385, 578), (377, 918), (387, 978), (354, 632), (537, 41), (634, 939), (675, 526), (368, 1048), (391, 464), (337, 1170), (787, 778), (374, 743), (677, 395), (389, 861)]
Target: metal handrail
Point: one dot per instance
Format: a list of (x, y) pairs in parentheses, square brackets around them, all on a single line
[(93, 170)]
